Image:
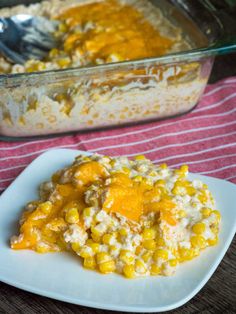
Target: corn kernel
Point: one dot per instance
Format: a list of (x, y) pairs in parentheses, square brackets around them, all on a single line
[(159, 183), (47, 232), (103, 257), (186, 254), (160, 253), (182, 213), (177, 190), (95, 247), (152, 173), (96, 232), (113, 162), (45, 207), (123, 232), (155, 270), (107, 267), (66, 46), (178, 173), (138, 178), (198, 241), (164, 193), (106, 239), (89, 262), (163, 166), (69, 205), (53, 53), (96, 238), (113, 249), (63, 62), (181, 183), (86, 159), (202, 198), (35, 66), (40, 248), (217, 214), (126, 170), (147, 256), (72, 216), (128, 271), (75, 246), (173, 262), (138, 250), (160, 241), (89, 241), (114, 234), (140, 267), (213, 241), (126, 256), (205, 212), (184, 168), (147, 184), (87, 212), (140, 157), (148, 234), (85, 252), (149, 244), (199, 228), (191, 190), (62, 27)]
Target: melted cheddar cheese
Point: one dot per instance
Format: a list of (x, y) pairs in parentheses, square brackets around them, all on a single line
[(111, 31)]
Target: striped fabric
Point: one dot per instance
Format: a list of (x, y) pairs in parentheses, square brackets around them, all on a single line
[(205, 139)]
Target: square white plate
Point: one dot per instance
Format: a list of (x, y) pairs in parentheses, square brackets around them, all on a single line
[(60, 275)]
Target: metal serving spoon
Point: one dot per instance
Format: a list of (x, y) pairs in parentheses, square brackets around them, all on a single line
[(24, 37)]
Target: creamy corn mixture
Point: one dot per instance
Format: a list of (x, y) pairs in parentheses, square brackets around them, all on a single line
[(97, 32), (119, 215)]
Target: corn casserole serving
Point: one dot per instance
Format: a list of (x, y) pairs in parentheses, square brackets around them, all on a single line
[(46, 97), (119, 215)]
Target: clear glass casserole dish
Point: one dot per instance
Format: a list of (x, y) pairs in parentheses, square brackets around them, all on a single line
[(95, 97)]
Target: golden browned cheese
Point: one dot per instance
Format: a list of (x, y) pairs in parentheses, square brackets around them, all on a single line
[(125, 197), (122, 195), (116, 30)]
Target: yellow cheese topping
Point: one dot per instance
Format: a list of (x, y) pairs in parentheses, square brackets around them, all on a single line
[(115, 31), (120, 215)]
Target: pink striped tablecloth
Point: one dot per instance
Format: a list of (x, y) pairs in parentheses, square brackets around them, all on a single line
[(205, 139)]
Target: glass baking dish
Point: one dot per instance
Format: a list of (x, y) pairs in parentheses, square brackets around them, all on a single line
[(101, 96)]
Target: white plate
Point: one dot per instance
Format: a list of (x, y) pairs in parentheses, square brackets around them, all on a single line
[(60, 275)]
